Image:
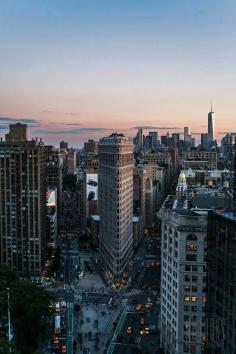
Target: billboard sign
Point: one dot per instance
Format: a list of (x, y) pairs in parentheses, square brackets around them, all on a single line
[(92, 186), (51, 197)]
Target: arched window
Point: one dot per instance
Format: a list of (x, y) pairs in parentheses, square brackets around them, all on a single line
[(191, 237), (191, 243)]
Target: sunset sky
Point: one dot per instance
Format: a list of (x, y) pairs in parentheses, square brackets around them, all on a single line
[(75, 69)]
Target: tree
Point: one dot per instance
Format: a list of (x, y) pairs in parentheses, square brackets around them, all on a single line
[(30, 312)]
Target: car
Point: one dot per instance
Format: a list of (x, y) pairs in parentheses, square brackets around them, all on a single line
[(129, 330), (144, 331), (138, 307), (148, 305), (63, 349)]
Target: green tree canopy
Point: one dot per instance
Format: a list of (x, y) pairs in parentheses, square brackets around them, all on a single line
[(30, 311)]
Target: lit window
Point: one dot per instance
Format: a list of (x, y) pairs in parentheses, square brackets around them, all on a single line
[(187, 298), (186, 328), (191, 247), (194, 298)]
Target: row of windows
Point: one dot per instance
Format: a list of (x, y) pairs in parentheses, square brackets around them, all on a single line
[(188, 298)]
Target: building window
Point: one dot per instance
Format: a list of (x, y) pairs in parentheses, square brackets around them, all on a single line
[(186, 348), (194, 298), (187, 298), (191, 257), (191, 237), (191, 247), (187, 278)]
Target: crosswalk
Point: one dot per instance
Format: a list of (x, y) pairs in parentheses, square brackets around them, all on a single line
[(135, 292), (130, 308), (137, 339)]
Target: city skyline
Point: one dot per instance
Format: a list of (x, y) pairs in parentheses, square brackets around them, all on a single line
[(76, 134), (83, 68)]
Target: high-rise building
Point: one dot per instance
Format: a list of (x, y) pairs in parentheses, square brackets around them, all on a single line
[(204, 140), (164, 140), (200, 159), (183, 279), (71, 161), (116, 202), (221, 283), (22, 203), (211, 126), (91, 147), (54, 165), (186, 132), (139, 179), (18, 132), (187, 137), (154, 136), (228, 147), (148, 143), (176, 138), (139, 139), (63, 145)]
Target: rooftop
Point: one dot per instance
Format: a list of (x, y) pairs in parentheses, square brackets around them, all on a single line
[(227, 214), (184, 206)]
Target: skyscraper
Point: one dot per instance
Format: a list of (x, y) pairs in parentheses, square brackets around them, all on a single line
[(22, 202), (211, 126), (154, 136), (186, 132), (221, 282), (116, 202), (139, 139), (183, 278), (18, 132), (204, 140), (187, 137)]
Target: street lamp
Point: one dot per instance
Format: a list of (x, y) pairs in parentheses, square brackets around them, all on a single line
[(9, 319)]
